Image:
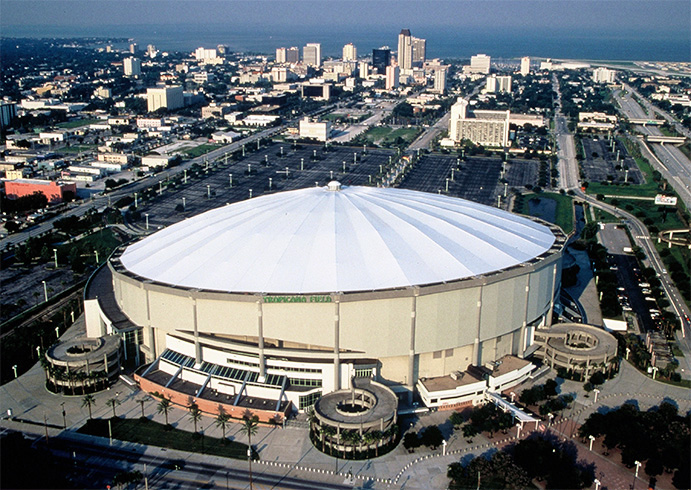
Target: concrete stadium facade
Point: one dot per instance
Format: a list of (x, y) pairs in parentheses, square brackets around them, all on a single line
[(294, 347)]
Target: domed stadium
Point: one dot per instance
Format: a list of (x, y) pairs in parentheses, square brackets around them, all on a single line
[(269, 303)]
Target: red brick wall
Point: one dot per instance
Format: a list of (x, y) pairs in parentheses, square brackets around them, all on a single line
[(208, 406), (52, 191)]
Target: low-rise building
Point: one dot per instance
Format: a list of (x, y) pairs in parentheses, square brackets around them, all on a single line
[(314, 129), (54, 191)]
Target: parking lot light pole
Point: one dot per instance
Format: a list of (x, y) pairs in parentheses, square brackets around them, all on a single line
[(55, 256), (14, 368), (230, 177), (64, 420), (45, 290), (592, 439)]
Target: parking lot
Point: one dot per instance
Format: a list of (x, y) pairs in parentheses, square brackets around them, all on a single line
[(600, 163), (277, 167), (476, 179)]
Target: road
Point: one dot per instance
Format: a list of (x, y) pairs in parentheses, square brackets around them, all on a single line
[(640, 236), (95, 461), (668, 159), (568, 166)]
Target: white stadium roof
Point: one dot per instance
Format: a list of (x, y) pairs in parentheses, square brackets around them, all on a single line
[(336, 239)]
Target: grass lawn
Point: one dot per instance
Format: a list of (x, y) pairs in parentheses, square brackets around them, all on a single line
[(79, 123), (408, 134), (605, 217), (563, 214), (199, 150), (648, 209), (155, 434), (375, 134), (78, 148)]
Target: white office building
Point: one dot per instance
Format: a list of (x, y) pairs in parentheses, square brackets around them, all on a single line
[(314, 129), (393, 73), (525, 66), (480, 63), (603, 75), (487, 128), (440, 80), (312, 54), (498, 84), (349, 52), (170, 97), (132, 67), (202, 54)]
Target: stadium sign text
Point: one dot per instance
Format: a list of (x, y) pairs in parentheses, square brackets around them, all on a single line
[(297, 299)]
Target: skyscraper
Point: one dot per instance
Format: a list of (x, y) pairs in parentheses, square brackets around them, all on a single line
[(312, 54), (349, 52), (405, 50), (525, 65), (381, 58), (280, 55), (418, 54)]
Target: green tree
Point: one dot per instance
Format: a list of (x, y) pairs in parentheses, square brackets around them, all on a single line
[(164, 406), (112, 403), (88, 401), (249, 427), (195, 415), (222, 420)]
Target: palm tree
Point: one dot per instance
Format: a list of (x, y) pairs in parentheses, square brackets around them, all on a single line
[(88, 401), (195, 415), (164, 407), (141, 402), (113, 402), (221, 420), (249, 427)]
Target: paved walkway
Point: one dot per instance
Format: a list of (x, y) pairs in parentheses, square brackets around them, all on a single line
[(289, 451)]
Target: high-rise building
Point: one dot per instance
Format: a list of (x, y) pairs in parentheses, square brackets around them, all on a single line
[(8, 113), (134, 47), (349, 52), (525, 66), (292, 54), (364, 69), (418, 54), (480, 64), (280, 55), (381, 58), (405, 50), (440, 80), (170, 97), (132, 67), (393, 73), (151, 51), (498, 84), (603, 75), (312, 54)]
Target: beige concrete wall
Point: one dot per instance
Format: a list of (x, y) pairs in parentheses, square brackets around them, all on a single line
[(540, 292), (503, 307), (394, 369), (132, 300), (217, 316), (307, 323), (446, 320), (381, 328)]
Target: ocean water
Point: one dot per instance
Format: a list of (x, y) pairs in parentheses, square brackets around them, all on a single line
[(442, 42)]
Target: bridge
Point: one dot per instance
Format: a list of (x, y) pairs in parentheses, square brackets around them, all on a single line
[(646, 122), (674, 140)]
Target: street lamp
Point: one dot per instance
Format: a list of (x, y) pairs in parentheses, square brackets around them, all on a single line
[(57, 332), (638, 465), (597, 484), (64, 420), (513, 395), (443, 447), (45, 290), (550, 416), (655, 369), (592, 439), (146, 215), (14, 368), (597, 392), (55, 256), (519, 427)]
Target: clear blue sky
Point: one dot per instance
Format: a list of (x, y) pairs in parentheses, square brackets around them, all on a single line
[(649, 16)]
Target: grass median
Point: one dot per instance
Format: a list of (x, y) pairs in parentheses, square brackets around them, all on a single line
[(145, 431)]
